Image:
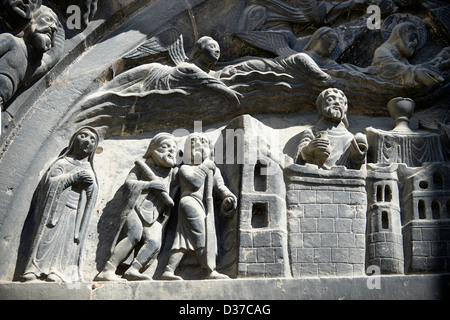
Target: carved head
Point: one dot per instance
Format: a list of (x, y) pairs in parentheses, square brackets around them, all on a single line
[(323, 41), (163, 150), (42, 29), (332, 105), (207, 49), (405, 37), (84, 143), (199, 147), (19, 12)]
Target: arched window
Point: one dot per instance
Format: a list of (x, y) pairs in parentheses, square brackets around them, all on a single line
[(387, 193), (436, 209)]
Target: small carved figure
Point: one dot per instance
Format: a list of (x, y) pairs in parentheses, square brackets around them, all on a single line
[(66, 200), (390, 61), (188, 74), (26, 58), (199, 178), (268, 24), (149, 203), (329, 142)]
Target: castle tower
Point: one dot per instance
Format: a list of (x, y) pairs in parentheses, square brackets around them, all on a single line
[(384, 230), (255, 176), (426, 219)]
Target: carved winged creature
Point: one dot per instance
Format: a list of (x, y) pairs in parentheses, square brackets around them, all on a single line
[(182, 73)]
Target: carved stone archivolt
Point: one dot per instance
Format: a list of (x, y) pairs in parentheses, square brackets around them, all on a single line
[(259, 139)]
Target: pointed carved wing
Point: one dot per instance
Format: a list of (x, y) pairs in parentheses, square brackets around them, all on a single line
[(272, 41), (169, 41)]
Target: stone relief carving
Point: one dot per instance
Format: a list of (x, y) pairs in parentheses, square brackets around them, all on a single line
[(148, 195), (329, 143), (30, 55), (66, 200), (196, 231), (390, 60), (342, 202)]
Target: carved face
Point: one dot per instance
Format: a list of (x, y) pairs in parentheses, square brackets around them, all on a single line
[(199, 148), (408, 43), (334, 106), (42, 30), (328, 44), (84, 144), (165, 153), (211, 50), (23, 9)]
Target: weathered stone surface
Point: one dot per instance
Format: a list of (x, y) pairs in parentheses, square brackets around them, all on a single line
[(324, 137)]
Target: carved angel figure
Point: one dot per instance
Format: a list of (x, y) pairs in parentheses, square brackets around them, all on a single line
[(186, 74), (66, 199)]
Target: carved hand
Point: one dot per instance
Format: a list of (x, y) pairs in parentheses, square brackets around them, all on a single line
[(316, 147), (428, 77), (229, 205), (84, 178), (209, 164)]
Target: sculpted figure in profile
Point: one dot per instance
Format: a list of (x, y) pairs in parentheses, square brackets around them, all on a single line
[(65, 201), (200, 180), (25, 58), (185, 75), (391, 64), (148, 190), (329, 143)]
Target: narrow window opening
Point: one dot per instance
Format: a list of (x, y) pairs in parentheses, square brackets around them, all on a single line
[(436, 209), (384, 220), (421, 207), (260, 215), (260, 179), (379, 194), (387, 194)]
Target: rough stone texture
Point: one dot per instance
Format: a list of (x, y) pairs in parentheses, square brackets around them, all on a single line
[(327, 222), (419, 287)]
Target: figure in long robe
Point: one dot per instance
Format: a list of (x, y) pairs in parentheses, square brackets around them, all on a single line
[(66, 200)]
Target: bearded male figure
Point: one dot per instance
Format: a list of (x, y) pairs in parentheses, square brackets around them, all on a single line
[(147, 209), (329, 143)]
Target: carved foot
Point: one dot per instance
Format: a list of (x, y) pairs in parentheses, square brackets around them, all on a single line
[(108, 274), (53, 278), (170, 275), (132, 274), (27, 277), (216, 275)]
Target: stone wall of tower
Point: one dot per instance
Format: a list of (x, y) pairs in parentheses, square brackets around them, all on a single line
[(327, 221)]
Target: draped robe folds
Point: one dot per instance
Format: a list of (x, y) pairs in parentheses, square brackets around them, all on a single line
[(191, 227), (65, 211), (340, 141)]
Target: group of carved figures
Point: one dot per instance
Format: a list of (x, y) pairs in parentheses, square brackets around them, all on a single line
[(67, 195), (67, 198)]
